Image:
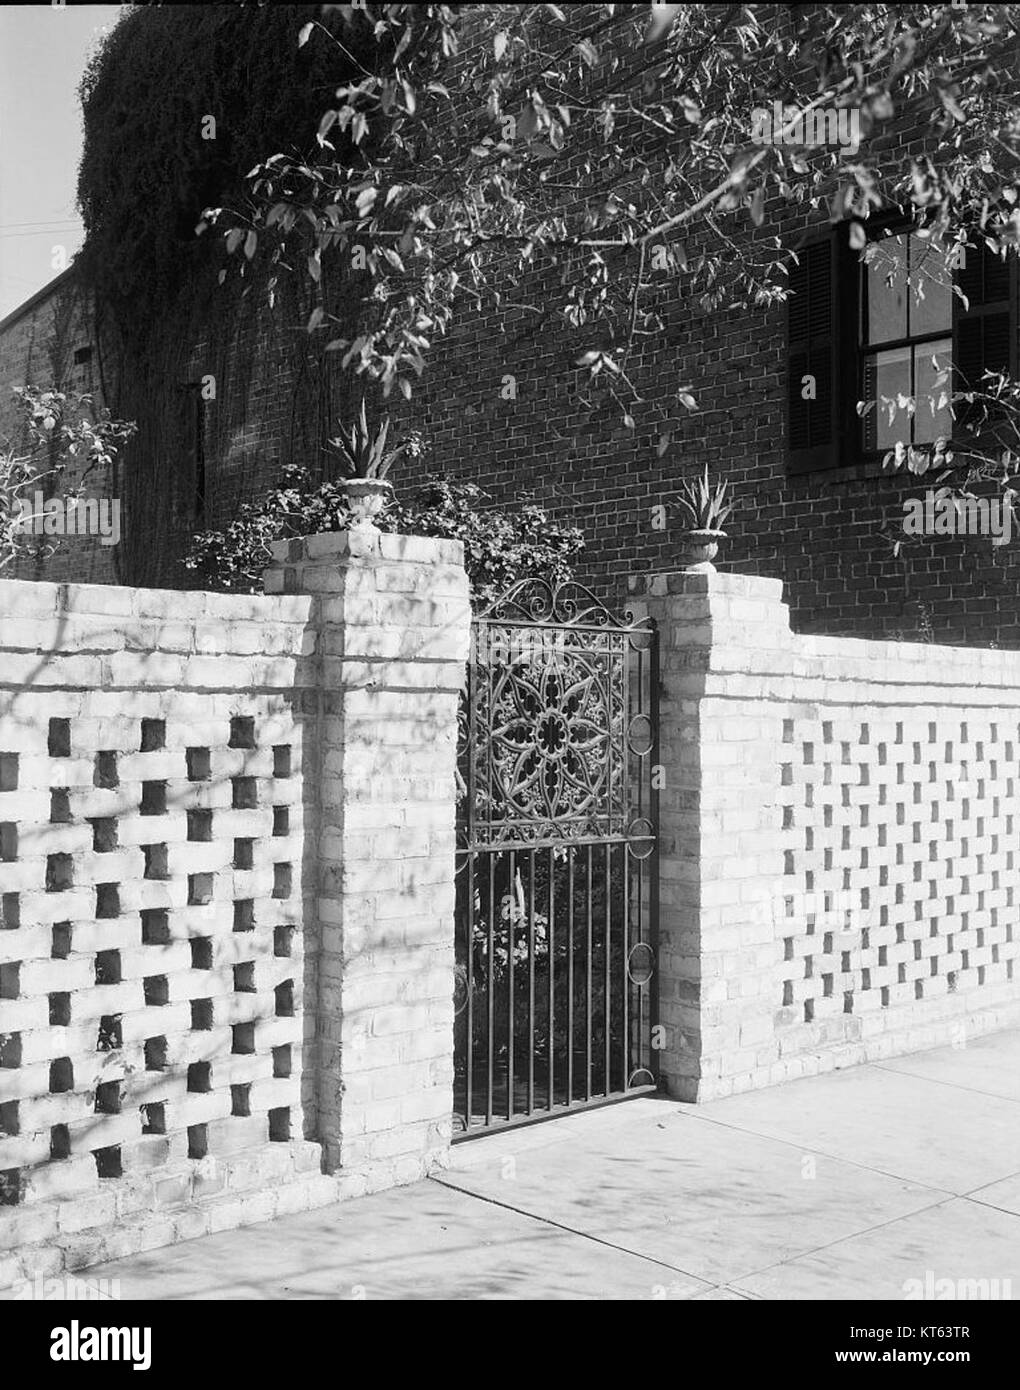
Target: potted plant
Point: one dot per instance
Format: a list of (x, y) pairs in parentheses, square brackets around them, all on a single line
[(368, 461), (706, 508)]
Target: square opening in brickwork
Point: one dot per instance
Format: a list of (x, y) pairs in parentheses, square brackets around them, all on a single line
[(111, 1033), (200, 889), (281, 760), (242, 732), (279, 1124), (59, 873), (155, 1054), (284, 993), (154, 1117), (153, 799), (58, 741), (10, 1050), (9, 1123), (8, 841), (244, 854), (107, 900), (153, 736), (240, 1099), (201, 953), (10, 980), (283, 938), (242, 1038), (244, 977), (12, 1187), (59, 1009), (8, 772), (200, 825), (281, 1060), (282, 880), (281, 820), (201, 1014), (104, 835), (108, 1098), (10, 911), (60, 941), (198, 1141), (108, 1162), (244, 795), (104, 773), (60, 806), (60, 1142), (199, 764), (200, 1077), (244, 914), (108, 968), (156, 991), (155, 926), (155, 861), (61, 1076)]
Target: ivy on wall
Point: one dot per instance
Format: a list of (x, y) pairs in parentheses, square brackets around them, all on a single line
[(178, 104)]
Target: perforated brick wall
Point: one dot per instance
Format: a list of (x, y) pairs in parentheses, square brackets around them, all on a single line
[(226, 845), (840, 868)]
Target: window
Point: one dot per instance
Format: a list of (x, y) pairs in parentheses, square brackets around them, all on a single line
[(906, 340), (883, 325)]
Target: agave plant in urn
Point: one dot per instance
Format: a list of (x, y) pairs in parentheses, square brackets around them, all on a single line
[(368, 461), (706, 508)]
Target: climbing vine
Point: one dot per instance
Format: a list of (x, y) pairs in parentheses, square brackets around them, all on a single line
[(178, 104)]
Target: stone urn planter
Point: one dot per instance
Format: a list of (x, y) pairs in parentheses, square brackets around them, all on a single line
[(700, 549), (366, 497)]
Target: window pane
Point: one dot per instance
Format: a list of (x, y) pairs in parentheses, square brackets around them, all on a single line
[(931, 302), (887, 290), (887, 374), (929, 419)]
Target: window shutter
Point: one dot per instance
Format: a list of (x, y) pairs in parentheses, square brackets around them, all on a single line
[(985, 329), (822, 343)]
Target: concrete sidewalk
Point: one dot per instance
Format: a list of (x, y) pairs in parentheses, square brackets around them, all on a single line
[(848, 1185)]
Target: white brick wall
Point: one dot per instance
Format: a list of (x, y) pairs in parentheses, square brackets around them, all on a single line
[(839, 873), (203, 800)]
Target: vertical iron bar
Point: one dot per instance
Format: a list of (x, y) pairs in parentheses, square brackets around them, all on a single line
[(570, 978), (549, 961), (531, 989), (490, 992), (608, 967), (470, 925), (511, 927), (587, 973)]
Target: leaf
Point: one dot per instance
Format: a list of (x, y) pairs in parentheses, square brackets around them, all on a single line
[(661, 21), (327, 123), (251, 241), (664, 442), (314, 319), (314, 268), (758, 207), (304, 34), (499, 44), (234, 239), (366, 198)]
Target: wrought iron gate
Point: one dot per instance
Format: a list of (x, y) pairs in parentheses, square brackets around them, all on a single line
[(556, 861)]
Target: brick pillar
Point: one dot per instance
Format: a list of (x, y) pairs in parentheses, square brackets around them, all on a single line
[(724, 638), (393, 626)]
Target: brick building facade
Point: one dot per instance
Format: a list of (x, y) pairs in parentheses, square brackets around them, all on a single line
[(814, 507)]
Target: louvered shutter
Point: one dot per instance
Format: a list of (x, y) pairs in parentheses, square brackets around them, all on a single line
[(810, 356), (985, 328)]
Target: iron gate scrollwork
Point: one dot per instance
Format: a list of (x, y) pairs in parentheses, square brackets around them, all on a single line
[(556, 860)]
